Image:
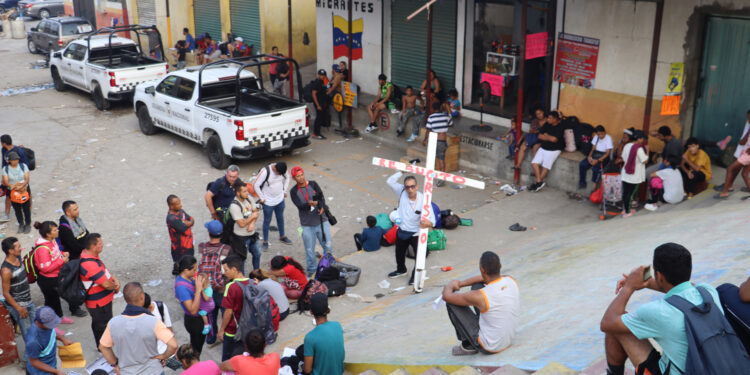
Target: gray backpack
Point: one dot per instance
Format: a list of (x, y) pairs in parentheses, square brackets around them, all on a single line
[(713, 346), (257, 312)]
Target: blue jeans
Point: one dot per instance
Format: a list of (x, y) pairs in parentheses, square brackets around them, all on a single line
[(308, 238), (596, 170), (23, 323), (267, 212), (254, 250)]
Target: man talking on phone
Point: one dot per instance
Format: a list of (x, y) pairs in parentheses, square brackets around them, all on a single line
[(627, 333)]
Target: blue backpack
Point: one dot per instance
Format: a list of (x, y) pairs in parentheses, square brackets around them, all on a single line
[(327, 261), (713, 346)]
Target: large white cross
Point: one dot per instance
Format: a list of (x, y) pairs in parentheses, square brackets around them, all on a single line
[(430, 174)]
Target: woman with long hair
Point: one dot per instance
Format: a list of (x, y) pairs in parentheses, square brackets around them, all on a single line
[(48, 260), (188, 289), (293, 274), (190, 360)]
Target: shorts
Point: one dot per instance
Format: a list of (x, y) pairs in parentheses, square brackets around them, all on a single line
[(744, 159), (532, 139), (215, 55), (546, 158), (651, 365), (440, 151)]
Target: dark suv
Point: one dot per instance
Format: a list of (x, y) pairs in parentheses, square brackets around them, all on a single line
[(6, 5), (55, 33)]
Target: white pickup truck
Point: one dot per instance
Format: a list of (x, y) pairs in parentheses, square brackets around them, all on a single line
[(225, 108), (107, 66)]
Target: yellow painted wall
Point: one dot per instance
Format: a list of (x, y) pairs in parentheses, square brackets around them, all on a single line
[(615, 111), (274, 28), (226, 19)]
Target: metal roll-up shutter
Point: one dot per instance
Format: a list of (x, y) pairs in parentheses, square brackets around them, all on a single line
[(409, 43), (245, 17), (146, 12), (208, 18)]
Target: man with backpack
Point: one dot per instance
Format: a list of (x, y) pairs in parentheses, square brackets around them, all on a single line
[(7, 147), (271, 185), (232, 304), (688, 323), (100, 285), (219, 194), (244, 214), (311, 204), (320, 99)]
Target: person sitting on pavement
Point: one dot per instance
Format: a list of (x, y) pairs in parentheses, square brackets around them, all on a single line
[(695, 167), (741, 165), (41, 348), (190, 360), (552, 143), (294, 280), (311, 205), (672, 148), (497, 300), (531, 139), (381, 102), (598, 157), (264, 282), (371, 237), (323, 346), (736, 304), (254, 361), (410, 203), (626, 334), (666, 185)]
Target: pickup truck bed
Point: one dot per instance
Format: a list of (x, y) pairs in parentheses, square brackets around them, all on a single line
[(120, 62), (251, 104)]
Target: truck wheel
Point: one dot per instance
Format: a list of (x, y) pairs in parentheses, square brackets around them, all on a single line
[(59, 84), (101, 103), (31, 46), (216, 154), (44, 14), (144, 121)]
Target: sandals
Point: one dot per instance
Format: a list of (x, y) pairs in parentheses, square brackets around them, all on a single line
[(460, 350), (718, 196)]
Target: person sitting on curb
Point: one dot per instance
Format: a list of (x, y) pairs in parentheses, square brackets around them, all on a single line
[(371, 237), (670, 180), (254, 360), (551, 140), (695, 167), (381, 102), (597, 159), (626, 334), (496, 298), (736, 304), (41, 349)]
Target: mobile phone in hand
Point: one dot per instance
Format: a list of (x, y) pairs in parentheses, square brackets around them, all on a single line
[(647, 273)]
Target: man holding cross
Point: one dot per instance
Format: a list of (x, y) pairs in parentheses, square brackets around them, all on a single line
[(410, 204)]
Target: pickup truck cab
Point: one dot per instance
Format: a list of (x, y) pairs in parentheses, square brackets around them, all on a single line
[(106, 66), (226, 109)]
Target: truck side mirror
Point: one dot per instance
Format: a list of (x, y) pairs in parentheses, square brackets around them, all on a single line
[(57, 55), (150, 90), (33, 29)]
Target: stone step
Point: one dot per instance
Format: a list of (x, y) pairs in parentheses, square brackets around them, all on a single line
[(400, 371), (509, 370), (466, 370), (554, 368), (435, 371)]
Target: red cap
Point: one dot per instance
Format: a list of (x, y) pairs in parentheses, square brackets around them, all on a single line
[(296, 171)]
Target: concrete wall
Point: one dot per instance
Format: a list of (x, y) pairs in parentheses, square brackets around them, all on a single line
[(274, 28), (625, 29), (180, 16)]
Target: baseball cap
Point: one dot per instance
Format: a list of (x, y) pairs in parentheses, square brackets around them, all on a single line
[(322, 72), (297, 170), (319, 304), (214, 227), (13, 156), (239, 39), (47, 317), (336, 68)]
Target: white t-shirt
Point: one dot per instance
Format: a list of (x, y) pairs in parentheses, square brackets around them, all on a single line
[(272, 192), (497, 324), (673, 190), (602, 145), (161, 347), (639, 175), (741, 148), (241, 213)]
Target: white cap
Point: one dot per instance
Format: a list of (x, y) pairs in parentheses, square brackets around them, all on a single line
[(239, 39), (394, 217)]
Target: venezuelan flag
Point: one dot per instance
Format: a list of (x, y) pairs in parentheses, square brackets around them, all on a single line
[(341, 37)]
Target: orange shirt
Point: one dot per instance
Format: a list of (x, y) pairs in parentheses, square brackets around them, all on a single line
[(269, 364)]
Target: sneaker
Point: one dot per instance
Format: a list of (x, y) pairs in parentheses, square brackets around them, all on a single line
[(460, 350), (581, 185), (264, 247), (285, 240), (27, 228), (321, 136), (539, 186), (206, 329), (371, 128), (4, 218), (411, 139), (651, 207), (395, 111), (533, 186), (723, 143), (66, 320), (396, 274), (79, 313), (21, 227)]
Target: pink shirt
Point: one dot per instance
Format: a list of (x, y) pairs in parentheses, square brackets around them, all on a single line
[(50, 261), (203, 368)]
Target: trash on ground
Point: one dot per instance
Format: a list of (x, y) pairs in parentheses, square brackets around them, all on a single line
[(399, 288), (130, 205), (446, 268), (464, 211), (517, 228), (92, 140), (155, 282), (509, 190), (458, 186), (384, 284), (437, 302)]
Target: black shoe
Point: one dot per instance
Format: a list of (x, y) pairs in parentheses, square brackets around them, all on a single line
[(532, 187), (396, 274), (399, 133), (79, 313), (175, 269), (411, 280), (539, 186)]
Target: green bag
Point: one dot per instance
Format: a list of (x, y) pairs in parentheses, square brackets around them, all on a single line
[(436, 240), (383, 221)]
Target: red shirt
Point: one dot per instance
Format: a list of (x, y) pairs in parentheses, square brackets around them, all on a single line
[(269, 364), (233, 300), (295, 274), (94, 270)]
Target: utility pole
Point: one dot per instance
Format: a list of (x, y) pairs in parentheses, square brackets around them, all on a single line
[(652, 67), (291, 76), (351, 75), (519, 107)]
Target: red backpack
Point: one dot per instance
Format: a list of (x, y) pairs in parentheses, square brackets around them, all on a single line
[(29, 265)]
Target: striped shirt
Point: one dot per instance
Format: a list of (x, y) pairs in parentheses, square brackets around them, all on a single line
[(439, 122), (19, 284), (93, 271)]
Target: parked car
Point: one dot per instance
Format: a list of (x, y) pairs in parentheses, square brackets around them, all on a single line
[(6, 5), (106, 66), (54, 34), (41, 8), (224, 107)]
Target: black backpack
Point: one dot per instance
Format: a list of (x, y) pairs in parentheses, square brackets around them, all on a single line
[(69, 284), (396, 96), (583, 134), (713, 346), (307, 91), (336, 287), (30, 158)]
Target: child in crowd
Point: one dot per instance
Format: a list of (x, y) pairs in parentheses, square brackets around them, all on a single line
[(695, 167), (207, 305), (510, 138), (455, 104), (409, 109), (371, 237)]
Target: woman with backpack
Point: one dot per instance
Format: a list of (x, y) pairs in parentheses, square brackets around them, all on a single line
[(293, 273), (15, 178), (48, 260)]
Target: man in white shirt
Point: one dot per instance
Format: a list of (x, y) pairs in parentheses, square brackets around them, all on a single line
[(497, 300), (271, 185), (597, 158), (741, 163), (160, 310)]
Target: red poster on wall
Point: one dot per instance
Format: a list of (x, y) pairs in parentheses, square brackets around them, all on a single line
[(536, 45), (575, 63)]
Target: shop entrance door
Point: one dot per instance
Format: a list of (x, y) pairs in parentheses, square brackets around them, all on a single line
[(724, 84)]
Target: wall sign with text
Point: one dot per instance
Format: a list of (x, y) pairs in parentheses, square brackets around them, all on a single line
[(575, 63)]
